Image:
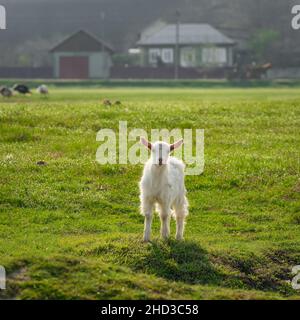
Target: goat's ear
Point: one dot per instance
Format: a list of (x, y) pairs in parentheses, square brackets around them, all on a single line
[(176, 145), (146, 143)]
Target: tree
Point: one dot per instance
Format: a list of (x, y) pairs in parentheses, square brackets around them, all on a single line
[(261, 43)]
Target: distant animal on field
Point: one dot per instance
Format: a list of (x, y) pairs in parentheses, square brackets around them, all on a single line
[(42, 89), (107, 102), (21, 88), (6, 92), (162, 185)]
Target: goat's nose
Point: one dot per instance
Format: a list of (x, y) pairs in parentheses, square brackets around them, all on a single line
[(160, 161)]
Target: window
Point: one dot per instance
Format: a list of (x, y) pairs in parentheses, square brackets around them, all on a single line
[(167, 55), (214, 56), (188, 57), (153, 55)]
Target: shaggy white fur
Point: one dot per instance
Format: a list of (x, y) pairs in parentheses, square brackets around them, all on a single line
[(162, 184)]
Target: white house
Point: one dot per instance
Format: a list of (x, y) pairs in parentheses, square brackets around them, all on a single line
[(200, 45)]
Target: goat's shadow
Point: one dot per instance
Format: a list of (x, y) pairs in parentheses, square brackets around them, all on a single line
[(182, 261)]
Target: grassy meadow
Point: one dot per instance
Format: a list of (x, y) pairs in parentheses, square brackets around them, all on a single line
[(71, 228)]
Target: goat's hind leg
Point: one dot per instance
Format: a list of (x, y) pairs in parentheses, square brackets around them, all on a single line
[(181, 211)]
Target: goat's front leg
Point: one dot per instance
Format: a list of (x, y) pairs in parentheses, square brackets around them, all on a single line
[(165, 216), (147, 208)]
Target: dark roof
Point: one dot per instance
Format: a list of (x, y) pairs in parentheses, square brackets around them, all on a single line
[(82, 41), (188, 34)]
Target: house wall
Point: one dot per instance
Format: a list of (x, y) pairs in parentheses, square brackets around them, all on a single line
[(198, 53), (99, 63), (230, 56), (143, 57)]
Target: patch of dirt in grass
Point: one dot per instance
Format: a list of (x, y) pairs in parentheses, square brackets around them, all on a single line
[(22, 278), (56, 155), (297, 187), (269, 272), (293, 193), (296, 218), (19, 275), (12, 283), (189, 263)]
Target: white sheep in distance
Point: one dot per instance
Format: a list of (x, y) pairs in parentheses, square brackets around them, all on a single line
[(162, 185), (42, 89), (6, 92)]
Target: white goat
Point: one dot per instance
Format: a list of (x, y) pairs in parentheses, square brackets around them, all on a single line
[(162, 184)]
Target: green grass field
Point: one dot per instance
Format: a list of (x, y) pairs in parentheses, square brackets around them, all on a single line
[(71, 229)]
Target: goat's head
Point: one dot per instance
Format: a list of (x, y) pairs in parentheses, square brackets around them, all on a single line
[(160, 150)]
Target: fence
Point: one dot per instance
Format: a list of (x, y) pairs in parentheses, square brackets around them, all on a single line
[(26, 73), (283, 73), (117, 72), (168, 73)]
